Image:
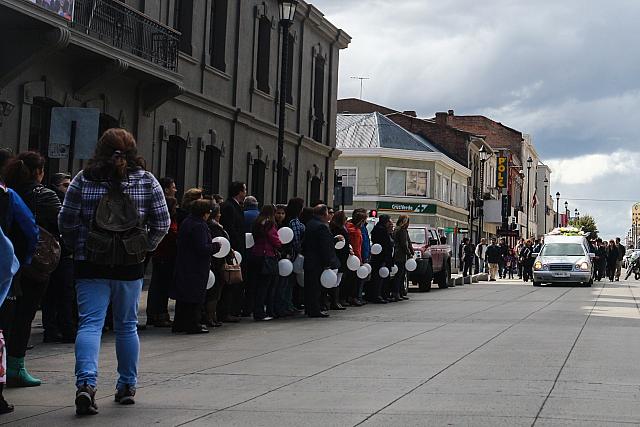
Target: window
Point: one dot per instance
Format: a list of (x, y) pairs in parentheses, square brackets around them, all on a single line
[(314, 193), (264, 54), (455, 194), (175, 158), (318, 99), (39, 130), (182, 21), (348, 176), (290, 61), (211, 172), (465, 197), (257, 180), (218, 34), (402, 182), (445, 190)]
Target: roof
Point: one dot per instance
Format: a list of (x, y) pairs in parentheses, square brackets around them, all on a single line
[(373, 130)]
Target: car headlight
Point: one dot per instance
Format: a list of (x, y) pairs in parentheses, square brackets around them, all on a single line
[(538, 265), (583, 266)]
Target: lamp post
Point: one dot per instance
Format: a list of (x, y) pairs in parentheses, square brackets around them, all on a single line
[(558, 209), (566, 212), (287, 14), (546, 184), (577, 215), (484, 156), (529, 164)]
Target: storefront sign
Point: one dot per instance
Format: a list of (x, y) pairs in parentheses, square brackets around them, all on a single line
[(407, 207), (62, 8), (502, 172)]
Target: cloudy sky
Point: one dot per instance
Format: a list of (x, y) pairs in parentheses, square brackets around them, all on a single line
[(565, 72)]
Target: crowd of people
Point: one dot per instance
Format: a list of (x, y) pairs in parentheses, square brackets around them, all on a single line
[(79, 248)]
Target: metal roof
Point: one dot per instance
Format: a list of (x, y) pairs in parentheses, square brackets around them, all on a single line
[(373, 130)]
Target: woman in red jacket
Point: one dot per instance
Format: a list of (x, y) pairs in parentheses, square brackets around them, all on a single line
[(354, 226), (265, 258)]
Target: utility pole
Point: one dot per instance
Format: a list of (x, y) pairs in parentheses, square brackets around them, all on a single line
[(362, 79)]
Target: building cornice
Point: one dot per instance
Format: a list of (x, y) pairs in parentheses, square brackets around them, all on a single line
[(313, 15)]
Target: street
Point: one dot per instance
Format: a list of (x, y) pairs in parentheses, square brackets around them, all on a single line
[(503, 353)]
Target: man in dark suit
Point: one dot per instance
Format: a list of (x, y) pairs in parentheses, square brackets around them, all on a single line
[(232, 219), (319, 254)]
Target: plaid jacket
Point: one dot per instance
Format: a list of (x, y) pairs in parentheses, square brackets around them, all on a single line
[(82, 199)]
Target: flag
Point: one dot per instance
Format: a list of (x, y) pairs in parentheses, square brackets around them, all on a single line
[(535, 199)]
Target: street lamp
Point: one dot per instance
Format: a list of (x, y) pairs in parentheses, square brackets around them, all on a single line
[(484, 156), (566, 212), (558, 209), (287, 15), (529, 164), (546, 184), (577, 214)]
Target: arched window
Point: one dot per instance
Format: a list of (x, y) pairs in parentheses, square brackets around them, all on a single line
[(211, 170), (174, 160), (314, 193), (264, 54), (39, 129), (257, 180)]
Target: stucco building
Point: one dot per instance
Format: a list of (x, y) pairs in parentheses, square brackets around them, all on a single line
[(196, 81)]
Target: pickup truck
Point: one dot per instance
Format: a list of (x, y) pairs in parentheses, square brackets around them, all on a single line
[(433, 258)]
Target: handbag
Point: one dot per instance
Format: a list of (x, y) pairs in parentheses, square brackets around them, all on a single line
[(231, 273), (47, 254)]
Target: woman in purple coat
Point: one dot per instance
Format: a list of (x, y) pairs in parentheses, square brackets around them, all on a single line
[(193, 264)]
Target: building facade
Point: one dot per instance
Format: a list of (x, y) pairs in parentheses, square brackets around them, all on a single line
[(196, 81), (395, 171)]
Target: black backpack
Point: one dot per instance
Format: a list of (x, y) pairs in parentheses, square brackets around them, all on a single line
[(116, 237)]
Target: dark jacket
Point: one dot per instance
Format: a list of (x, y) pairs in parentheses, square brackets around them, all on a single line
[(468, 251), (621, 251), (343, 253), (232, 219), (318, 247), (403, 249), (193, 261), (217, 230), (44, 204), (493, 254), (612, 255), (380, 235)]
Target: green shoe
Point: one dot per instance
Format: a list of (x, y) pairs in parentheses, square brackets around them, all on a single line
[(17, 375)]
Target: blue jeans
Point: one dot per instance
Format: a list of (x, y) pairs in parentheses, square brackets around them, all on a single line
[(94, 296)]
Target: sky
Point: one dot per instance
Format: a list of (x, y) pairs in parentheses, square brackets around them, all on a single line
[(565, 72)]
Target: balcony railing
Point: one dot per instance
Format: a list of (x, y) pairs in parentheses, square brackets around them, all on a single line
[(127, 29)]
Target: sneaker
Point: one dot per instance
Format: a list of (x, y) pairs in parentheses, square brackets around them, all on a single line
[(86, 400), (5, 407), (125, 395)]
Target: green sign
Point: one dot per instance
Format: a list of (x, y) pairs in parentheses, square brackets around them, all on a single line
[(421, 208)]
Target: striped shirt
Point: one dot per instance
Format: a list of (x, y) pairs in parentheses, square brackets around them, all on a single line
[(81, 202)]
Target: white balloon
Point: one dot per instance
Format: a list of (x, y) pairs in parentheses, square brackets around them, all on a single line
[(394, 270), (376, 249), (225, 247), (329, 278), (369, 269), (238, 256), (248, 239), (340, 244), (286, 235), (212, 280), (298, 264), (383, 272), (411, 264), (300, 279), (353, 263), (363, 272), (285, 267)]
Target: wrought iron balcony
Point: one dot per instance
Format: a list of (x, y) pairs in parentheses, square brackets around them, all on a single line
[(119, 25)]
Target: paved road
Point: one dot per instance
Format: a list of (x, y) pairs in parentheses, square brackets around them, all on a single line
[(483, 354)]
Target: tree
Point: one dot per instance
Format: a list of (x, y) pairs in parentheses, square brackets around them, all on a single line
[(588, 224)]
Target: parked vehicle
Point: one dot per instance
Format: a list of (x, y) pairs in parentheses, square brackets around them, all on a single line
[(627, 257), (564, 259), (433, 259), (634, 266)]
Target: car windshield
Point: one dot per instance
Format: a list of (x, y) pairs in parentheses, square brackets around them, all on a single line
[(417, 236), (563, 249)]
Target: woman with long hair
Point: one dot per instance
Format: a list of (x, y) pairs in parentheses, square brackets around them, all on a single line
[(117, 173), (403, 250), (381, 234), (24, 174), (214, 294), (353, 282), (265, 258), (339, 294)]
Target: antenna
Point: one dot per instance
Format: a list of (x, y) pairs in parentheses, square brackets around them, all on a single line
[(362, 79)]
